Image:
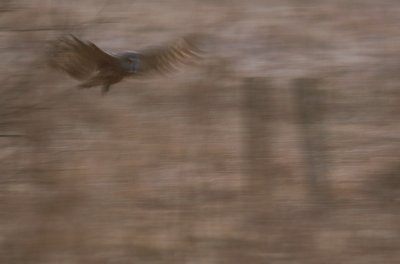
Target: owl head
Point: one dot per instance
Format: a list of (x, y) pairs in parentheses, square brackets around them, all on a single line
[(129, 61)]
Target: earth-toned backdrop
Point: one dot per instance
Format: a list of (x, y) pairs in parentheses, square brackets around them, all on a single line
[(280, 146)]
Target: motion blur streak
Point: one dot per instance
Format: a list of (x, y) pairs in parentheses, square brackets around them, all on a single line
[(280, 145)]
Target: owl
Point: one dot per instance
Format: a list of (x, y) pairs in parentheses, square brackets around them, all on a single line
[(86, 62)]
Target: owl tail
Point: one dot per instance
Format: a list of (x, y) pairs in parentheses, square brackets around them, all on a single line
[(94, 81), (105, 87)]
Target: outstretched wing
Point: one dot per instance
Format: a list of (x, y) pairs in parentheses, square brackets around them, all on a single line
[(80, 59), (169, 58)]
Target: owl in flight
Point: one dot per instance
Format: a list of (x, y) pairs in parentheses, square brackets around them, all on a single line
[(86, 62)]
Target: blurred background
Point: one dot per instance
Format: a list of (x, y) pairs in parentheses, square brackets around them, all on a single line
[(280, 146)]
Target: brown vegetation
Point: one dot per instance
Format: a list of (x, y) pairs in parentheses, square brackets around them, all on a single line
[(281, 146)]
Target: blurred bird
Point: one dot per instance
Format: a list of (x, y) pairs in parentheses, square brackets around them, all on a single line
[(84, 61)]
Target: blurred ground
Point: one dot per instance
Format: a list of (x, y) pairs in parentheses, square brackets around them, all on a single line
[(281, 146)]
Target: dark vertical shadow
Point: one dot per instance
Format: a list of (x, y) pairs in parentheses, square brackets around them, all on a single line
[(258, 120), (310, 105)]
